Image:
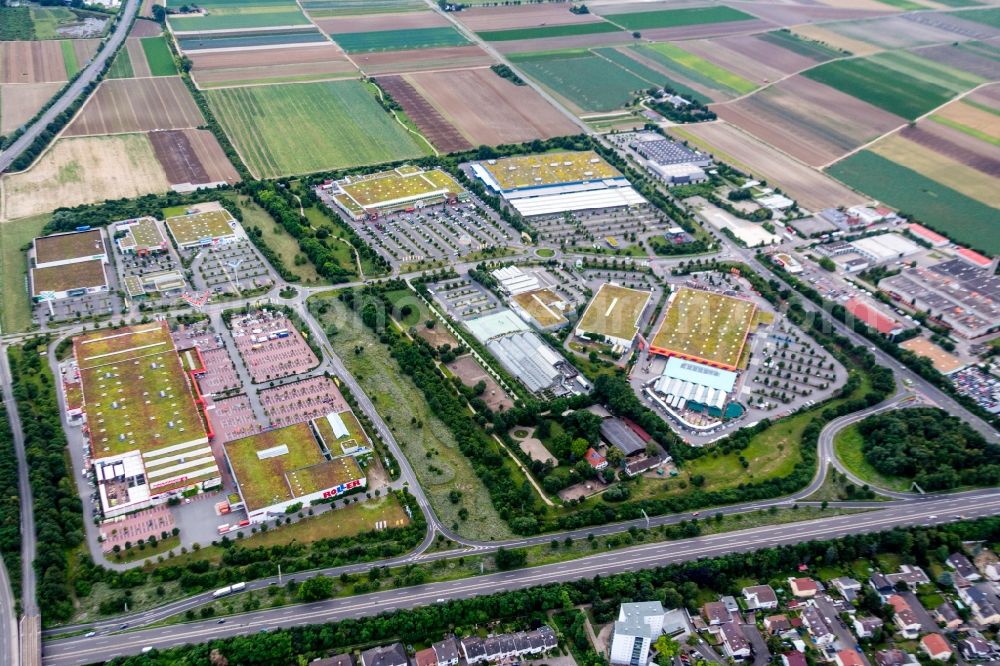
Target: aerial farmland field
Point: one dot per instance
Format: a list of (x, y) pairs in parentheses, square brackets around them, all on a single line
[(307, 127), (231, 15), (977, 58), (543, 32), (961, 217), (137, 105), (399, 40), (158, 56), (808, 48), (675, 18), (19, 102), (320, 8), (250, 39), (699, 70)]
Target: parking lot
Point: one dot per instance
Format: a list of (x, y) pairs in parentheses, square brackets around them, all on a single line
[(270, 346), (88, 305), (435, 233), (233, 418), (980, 386), (613, 228), (231, 268), (140, 525), (307, 399), (464, 298)]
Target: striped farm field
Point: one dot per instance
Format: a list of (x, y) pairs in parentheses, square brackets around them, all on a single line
[(307, 127), (161, 61), (689, 62), (321, 8), (121, 67), (542, 32), (884, 84), (961, 217), (399, 40), (675, 18), (228, 15)]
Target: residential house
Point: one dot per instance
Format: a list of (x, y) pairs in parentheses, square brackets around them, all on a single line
[(848, 657), (865, 627), (385, 655), (545, 637), (988, 564), (983, 610), (848, 587), (803, 588), (975, 647), (793, 658), (715, 613), (596, 460), (962, 566), (446, 652), (731, 604), (760, 597), (817, 626), (473, 649), (936, 647), (947, 615), (881, 585), (911, 575), (425, 657), (734, 642), (638, 625), (776, 624), (893, 657), (335, 660), (904, 616)]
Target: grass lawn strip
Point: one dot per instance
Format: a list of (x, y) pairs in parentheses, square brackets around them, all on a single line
[(15, 306)]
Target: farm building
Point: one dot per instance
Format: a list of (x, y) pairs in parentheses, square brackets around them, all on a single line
[(964, 298), (557, 183), (525, 355), (394, 190), (210, 227), (145, 430), (614, 314), (706, 327), (285, 466), (70, 264), (691, 385), (140, 237), (542, 307)]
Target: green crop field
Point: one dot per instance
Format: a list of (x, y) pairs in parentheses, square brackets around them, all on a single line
[(121, 68), (804, 47), (905, 5), (700, 70), (990, 16), (929, 71), (882, 86), (548, 31), (320, 8), (583, 78), (674, 18), (398, 40), (307, 127), (949, 211), (648, 73), (237, 15), (161, 61), (69, 57), (15, 306), (16, 24)]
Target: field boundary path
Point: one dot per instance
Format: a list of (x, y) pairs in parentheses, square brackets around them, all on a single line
[(90, 74)]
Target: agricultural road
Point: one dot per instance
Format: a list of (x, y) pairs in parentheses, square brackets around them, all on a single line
[(90, 74), (80, 650)]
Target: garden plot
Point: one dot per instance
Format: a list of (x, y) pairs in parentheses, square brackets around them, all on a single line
[(82, 170), (270, 346), (231, 268), (308, 127), (808, 120), (302, 400), (137, 105), (489, 110)]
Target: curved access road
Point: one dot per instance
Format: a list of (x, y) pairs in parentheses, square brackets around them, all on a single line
[(89, 74)]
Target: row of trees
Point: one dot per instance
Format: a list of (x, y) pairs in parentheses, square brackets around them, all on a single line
[(10, 506), (58, 511), (673, 585), (936, 450)]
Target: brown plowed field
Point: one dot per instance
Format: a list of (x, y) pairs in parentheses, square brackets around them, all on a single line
[(31, 62), (442, 134), (491, 110), (750, 57), (85, 50), (521, 16), (808, 120), (708, 30), (137, 105), (335, 69), (988, 95), (143, 28), (397, 62), (376, 22), (794, 14), (960, 58), (192, 156), (137, 56), (266, 57), (569, 42), (146, 9), (970, 151), (811, 188), (972, 117), (19, 102)]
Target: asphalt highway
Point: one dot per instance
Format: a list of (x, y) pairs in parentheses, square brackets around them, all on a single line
[(81, 650), (9, 648), (89, 74)]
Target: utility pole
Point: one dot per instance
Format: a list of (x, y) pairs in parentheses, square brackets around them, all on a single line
[(646, 516), (279, 574)]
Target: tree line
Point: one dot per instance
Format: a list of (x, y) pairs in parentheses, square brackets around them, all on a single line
[(10, 507)]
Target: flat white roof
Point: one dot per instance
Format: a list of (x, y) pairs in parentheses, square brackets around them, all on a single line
[(570, 201), (700, 374), (499, 323)]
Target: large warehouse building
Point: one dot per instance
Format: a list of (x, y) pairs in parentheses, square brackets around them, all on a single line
[(557, 183), (296, 464), (394, 190), (705, 327), (614, 314), (65, 265), (146, 433)]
